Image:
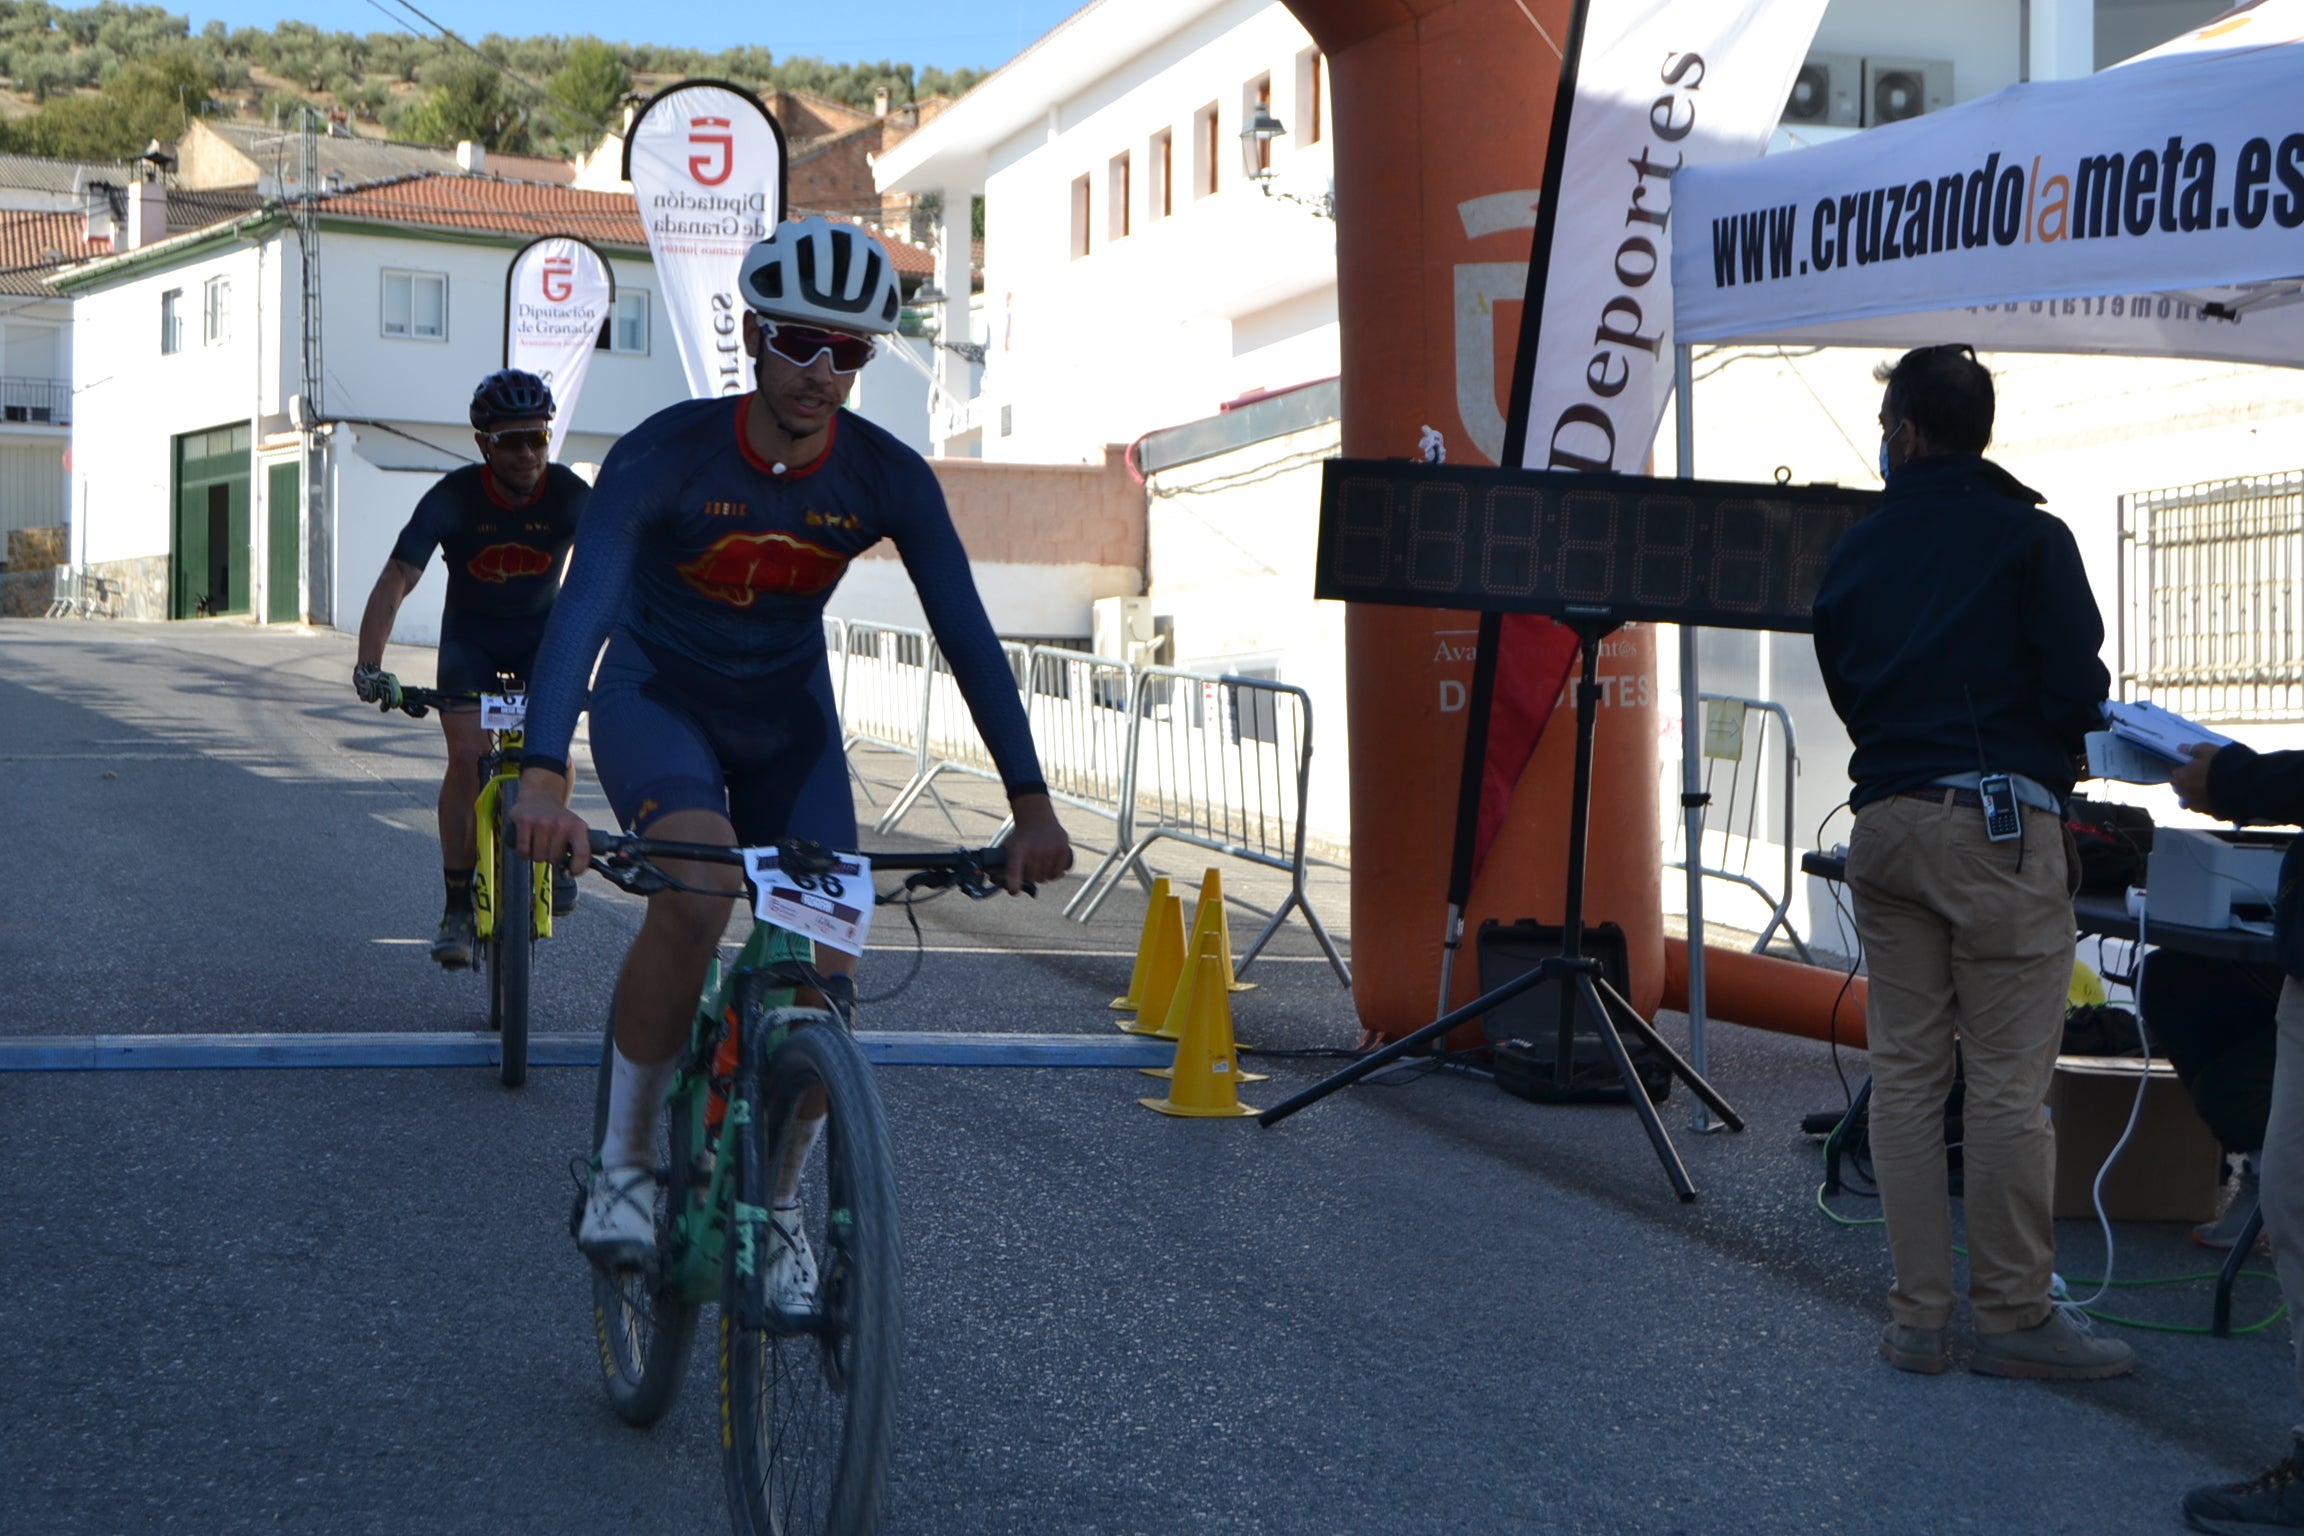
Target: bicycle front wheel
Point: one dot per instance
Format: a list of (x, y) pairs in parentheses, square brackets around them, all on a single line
[(645, 1326), (511, 948), (810, 1396)]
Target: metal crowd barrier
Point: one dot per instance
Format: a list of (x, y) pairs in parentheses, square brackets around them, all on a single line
[(879, 675), (948, 739), (1747, 742), (1222, 763), (82, 594)]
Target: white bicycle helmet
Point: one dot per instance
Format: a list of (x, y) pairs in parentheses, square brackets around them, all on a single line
[(816, 272)]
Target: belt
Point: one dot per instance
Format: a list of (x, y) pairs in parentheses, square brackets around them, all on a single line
[(1935, 796)]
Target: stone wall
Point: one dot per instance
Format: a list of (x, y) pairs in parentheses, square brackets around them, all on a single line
[(29, 583), (140, 585)]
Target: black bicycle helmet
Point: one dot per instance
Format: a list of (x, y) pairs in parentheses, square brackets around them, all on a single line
[(509, 394)]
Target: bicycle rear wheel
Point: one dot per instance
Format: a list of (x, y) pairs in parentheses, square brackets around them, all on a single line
[(511, 947), (810, 1403), (644, 1325)]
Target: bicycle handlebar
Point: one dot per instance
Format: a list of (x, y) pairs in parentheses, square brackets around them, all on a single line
[(415, 702), (629, 862)]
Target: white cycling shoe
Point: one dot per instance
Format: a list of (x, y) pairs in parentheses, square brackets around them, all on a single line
[(791, 1280), (619, 1226)]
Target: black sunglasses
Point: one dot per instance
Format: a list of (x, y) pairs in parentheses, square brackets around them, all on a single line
[(523, 437)]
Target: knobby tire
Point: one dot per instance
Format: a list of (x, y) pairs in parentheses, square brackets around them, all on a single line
[(644, 1327), (810, 1411), (511, 950)]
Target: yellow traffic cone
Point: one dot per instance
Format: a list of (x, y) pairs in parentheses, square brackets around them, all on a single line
[(1206, 949), (1134, 1001), (1212, 898), (1206, 1081), (1164, 963)]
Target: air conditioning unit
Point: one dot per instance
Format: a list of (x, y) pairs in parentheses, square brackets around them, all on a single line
[(1827, 93), (1121, 628), (1895, 89)]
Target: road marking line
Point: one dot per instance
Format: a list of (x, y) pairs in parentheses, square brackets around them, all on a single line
[(888, 1048)]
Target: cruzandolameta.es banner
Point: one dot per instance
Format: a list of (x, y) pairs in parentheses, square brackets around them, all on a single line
[(1661, 85), (2167, 176), (560, 294), (706, 163)]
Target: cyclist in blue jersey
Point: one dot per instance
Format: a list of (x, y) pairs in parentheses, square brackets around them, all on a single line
[(502, 527), (704, 561)]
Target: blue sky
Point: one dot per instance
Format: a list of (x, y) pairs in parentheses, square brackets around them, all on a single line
[(950, 33)]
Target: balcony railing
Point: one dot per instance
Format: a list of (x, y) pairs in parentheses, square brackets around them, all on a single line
[(44, 402)]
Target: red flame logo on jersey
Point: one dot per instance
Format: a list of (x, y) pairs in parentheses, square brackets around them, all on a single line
[(500, 563), (559, 278), (741, 566), (723, 143)]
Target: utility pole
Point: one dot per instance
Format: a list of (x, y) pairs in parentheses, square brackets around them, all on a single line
[(318, 540)]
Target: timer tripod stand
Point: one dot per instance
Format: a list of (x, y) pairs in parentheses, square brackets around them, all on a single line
[(1585, 993)]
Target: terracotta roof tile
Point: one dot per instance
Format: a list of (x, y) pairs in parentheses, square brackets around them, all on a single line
[(44, 240), (484, 205)]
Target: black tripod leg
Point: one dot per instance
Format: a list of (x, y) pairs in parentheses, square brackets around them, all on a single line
[(2231, 1272), (1630, 1018), (1666, 1153)]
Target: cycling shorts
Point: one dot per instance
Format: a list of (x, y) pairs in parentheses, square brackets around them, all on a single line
[(474, 650), (669, 735)]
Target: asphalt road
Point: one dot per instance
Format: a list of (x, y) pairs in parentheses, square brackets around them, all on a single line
[(345, 1300)]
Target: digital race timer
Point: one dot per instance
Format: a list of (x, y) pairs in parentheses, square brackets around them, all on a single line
[(1610, 547)]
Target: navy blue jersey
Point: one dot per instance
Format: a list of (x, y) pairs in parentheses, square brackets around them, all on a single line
[(503, 560), (704, 553)]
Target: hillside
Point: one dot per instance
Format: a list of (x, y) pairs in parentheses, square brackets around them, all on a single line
[(100, 81)]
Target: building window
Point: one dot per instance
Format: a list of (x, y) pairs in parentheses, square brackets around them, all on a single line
[(1258, 96), (1161, 201), (1308, 106), (1119, 195), (172, 321), (626, 328), (416, 305), (1079, 218), (2214, 623), (216, 312), (1205, 150)]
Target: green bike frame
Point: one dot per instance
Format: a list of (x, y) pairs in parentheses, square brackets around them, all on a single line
[(503, 779), (699, 1233)]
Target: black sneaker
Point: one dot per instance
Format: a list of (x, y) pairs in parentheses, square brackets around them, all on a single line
[(563, 893), (2273, 1502), (453, 948)]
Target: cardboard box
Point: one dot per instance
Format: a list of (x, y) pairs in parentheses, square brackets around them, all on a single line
[(2170, 1169)]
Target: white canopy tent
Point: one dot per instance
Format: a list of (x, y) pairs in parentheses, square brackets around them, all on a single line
[(2153, 209)]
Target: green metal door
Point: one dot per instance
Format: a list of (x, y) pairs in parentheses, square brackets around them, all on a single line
[(208, 565), (282, 492)]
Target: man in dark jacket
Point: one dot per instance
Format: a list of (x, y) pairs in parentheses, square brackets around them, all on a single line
[(1958, 640), (2241, 785)]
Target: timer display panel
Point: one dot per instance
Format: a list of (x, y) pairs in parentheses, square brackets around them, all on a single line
[(1615, 547)]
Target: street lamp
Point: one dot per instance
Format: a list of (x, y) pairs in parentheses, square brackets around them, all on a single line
[(929, 300), (1255, 144)]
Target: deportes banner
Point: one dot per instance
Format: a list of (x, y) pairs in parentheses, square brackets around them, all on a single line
[(556, 297), (1659, 86), (706, 163), (2166, 192)]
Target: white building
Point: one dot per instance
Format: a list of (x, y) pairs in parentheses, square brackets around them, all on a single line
[(1138, 278), (211, 478)]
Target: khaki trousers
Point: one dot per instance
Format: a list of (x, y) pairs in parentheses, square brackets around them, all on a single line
[(2281, 1176), (1968, 941)]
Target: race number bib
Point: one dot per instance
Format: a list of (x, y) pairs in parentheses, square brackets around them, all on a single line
[(834, 908), (503, 711)]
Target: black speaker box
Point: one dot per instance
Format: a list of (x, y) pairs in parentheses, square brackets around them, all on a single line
[(1525, 1030)]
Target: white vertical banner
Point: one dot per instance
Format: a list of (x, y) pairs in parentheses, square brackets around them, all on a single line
[(706, 163), (556, 297), (1658, 85)]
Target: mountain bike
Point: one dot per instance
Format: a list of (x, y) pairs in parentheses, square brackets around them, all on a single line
[(506, 925), (807, 1400)]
